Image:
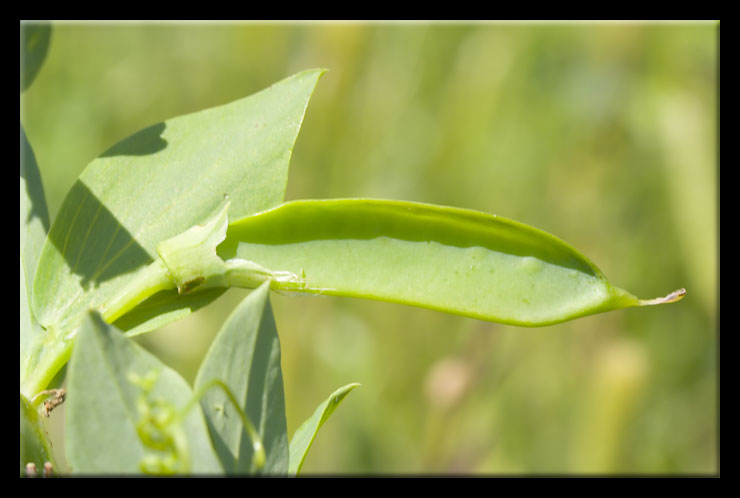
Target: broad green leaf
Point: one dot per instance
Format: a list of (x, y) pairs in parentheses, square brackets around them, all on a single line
[(158, 183), (449, 259), (103, 405), (34, 46), (306, 433), (34, 223), (35, 444), (245, 355), (155, 184)]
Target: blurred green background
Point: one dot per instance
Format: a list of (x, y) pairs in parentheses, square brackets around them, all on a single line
[(603, 134)]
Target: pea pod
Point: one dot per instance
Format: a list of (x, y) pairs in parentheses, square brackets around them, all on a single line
[(449, 259)]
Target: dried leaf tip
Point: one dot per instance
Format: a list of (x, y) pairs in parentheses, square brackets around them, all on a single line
[(674, 296)]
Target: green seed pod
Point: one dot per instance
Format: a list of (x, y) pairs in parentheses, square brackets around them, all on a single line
[(449, 259)]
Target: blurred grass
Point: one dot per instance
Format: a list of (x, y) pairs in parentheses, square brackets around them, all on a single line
[(603, 134)]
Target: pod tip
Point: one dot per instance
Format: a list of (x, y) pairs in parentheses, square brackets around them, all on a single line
[(674, 296)]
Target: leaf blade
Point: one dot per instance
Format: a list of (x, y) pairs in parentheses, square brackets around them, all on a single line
[(159, 182), (102, 404), (245, 355), (305, 434)]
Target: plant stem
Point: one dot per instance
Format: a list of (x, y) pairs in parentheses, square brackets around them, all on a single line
[(57, 344), (154, 278), (51, 363)]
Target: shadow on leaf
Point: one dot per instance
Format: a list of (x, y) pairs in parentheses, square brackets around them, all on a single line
[(35, 191), (92, 241), (142, 143)]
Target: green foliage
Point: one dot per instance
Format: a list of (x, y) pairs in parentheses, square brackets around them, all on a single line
[(306, 433), (108, 231), (159, 182), (122, 410), (153, 185), (129, 412), (245, 355)]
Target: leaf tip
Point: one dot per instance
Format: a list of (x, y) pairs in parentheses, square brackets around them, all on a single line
[(317, 72)]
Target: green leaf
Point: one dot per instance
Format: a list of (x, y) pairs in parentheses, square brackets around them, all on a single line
[(34, 223), (153, 185), (159, 182), (245, 355), (104, 405), (449, 259), (34, 46), (306, 433), (35, 444)]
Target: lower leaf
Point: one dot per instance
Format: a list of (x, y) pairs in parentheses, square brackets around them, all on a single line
[(245, 356), (127, 412), (306, 433)]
